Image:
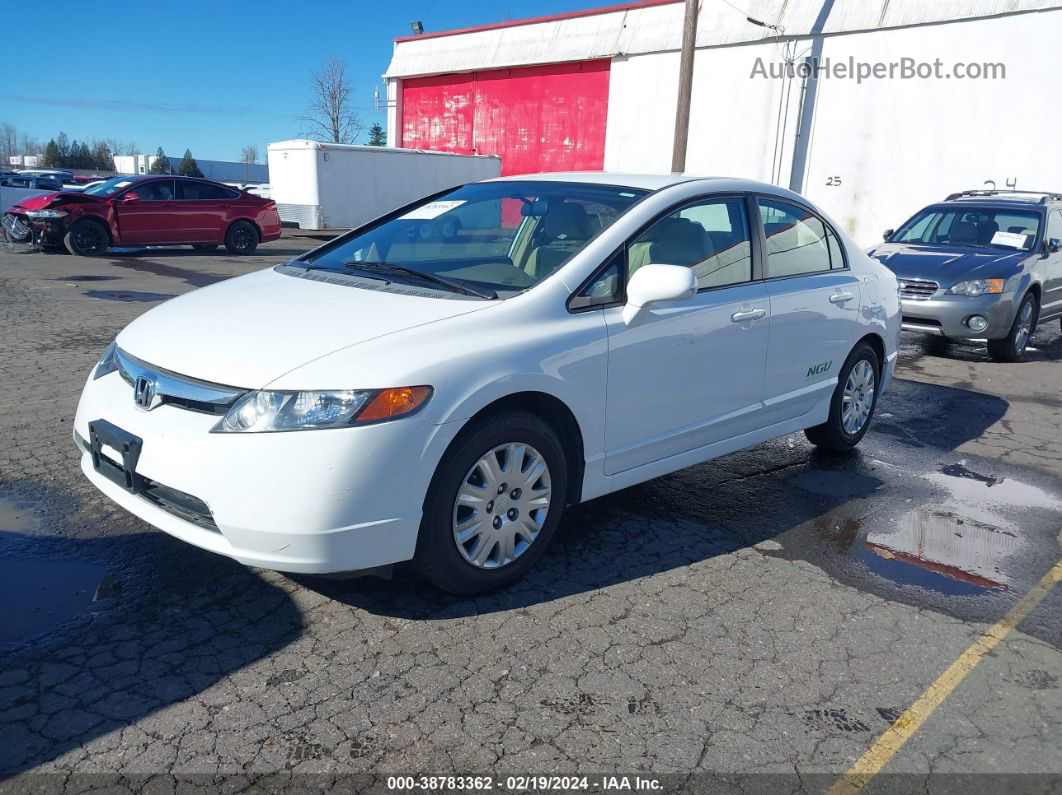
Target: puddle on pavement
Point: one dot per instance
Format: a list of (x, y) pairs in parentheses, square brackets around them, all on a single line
[(833, 483), (128, 296), (86, 278), (40, 593), (190, 277), (952, 532)]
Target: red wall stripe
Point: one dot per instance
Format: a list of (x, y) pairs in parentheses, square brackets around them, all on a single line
[(537, 118)]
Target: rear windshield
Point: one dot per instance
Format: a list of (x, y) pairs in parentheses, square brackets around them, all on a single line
[(502, 236), (971, 226)]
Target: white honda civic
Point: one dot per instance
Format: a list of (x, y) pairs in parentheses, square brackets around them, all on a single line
[(439, 384)]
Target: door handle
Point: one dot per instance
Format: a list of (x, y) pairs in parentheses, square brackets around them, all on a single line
[(746, 315), (840, 298)]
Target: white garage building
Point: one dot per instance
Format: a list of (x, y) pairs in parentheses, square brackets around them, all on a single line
[(597, 89)]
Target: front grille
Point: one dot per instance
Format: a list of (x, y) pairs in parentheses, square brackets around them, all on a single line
[(917, 288), (182, 391), (183, 506), (919, 321)]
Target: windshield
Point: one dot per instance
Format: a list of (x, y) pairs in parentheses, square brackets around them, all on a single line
[(966, 226), (109, 186), (501, 236)]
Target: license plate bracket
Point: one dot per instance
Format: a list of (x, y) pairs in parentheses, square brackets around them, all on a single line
[(124, 472)]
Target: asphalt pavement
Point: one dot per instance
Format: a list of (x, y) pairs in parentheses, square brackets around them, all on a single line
[(760, 621)]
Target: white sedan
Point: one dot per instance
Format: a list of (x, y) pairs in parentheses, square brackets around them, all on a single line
[(439, 384)]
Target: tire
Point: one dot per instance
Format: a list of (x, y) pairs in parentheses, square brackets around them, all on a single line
[(87, 238), (1012, 347), (841, 432), (241, 238), (483, 561), (204, 247)]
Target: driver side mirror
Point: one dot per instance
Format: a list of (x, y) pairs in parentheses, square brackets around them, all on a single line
[(887, 234), (1054, 245), (652, 284), (131, 197)]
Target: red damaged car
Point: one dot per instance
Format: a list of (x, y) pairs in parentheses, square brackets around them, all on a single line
[(149, 211)]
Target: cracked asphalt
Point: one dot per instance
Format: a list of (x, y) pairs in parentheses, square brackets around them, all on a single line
[(758, 620)]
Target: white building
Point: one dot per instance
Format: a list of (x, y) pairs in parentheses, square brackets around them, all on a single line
[(25, 161), (597, 89), (218, 170)]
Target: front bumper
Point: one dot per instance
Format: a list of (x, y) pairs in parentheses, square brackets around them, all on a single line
[(945, 315), (309, 502)]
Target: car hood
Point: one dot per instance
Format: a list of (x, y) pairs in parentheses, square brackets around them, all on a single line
[(249, 331), (40, 201), (947, 265)]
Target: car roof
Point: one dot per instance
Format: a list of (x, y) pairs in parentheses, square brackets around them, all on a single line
[(652, 182)]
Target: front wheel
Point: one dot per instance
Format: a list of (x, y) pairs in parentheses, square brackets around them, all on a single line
[(853, 403), (86, 238), (241, 238), (493, 505), (1012, 347)]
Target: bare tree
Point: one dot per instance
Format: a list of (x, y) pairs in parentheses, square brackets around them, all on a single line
[(8, 142), (249, 154), (330, 116)]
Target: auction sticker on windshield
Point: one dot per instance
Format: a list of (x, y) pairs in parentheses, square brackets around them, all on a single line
[(432, 210), (1014, 239)]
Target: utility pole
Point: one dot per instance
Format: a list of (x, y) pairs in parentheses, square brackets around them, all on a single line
[(685, 87)]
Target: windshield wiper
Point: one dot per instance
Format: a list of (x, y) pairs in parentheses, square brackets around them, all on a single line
[(431, 278), (301, 263)]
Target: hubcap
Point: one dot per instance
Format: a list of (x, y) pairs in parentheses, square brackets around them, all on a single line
[(858, 398), (1021, 339), (241, 236), (501, 505), (89, 239)]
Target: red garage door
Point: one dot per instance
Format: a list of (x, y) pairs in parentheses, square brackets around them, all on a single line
[(537, 118)]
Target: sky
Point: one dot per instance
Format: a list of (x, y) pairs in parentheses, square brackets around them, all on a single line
[(215, 76)]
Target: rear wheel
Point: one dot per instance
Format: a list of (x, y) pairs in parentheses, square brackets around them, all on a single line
[(493, 505), (1012, 347), (86, 238), (241, 238), (853, 404)]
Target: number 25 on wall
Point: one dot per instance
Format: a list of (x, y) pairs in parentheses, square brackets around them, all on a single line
[(833, 182)]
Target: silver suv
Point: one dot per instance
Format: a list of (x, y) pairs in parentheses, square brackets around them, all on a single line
[(982, 264)]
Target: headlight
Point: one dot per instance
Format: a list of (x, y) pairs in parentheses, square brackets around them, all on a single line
[(108, 363), (977, 287), (266, 411), (45, 213)]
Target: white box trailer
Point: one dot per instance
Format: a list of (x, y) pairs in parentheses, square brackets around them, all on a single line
[(340, 186)]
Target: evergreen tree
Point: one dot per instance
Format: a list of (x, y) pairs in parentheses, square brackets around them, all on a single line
[(102, 157), (161, 165), (188, 167), (51, 155), (377, 135), (63, 145)]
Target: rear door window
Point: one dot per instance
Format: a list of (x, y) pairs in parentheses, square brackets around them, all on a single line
[(202, 191), (796, 239)]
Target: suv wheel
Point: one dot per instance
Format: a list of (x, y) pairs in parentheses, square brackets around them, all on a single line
[(86, 238), (493, 505), (241, 238), (853, 404), (1012, 347)]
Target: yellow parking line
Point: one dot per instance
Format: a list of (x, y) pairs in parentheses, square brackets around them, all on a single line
[(909, 722)]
